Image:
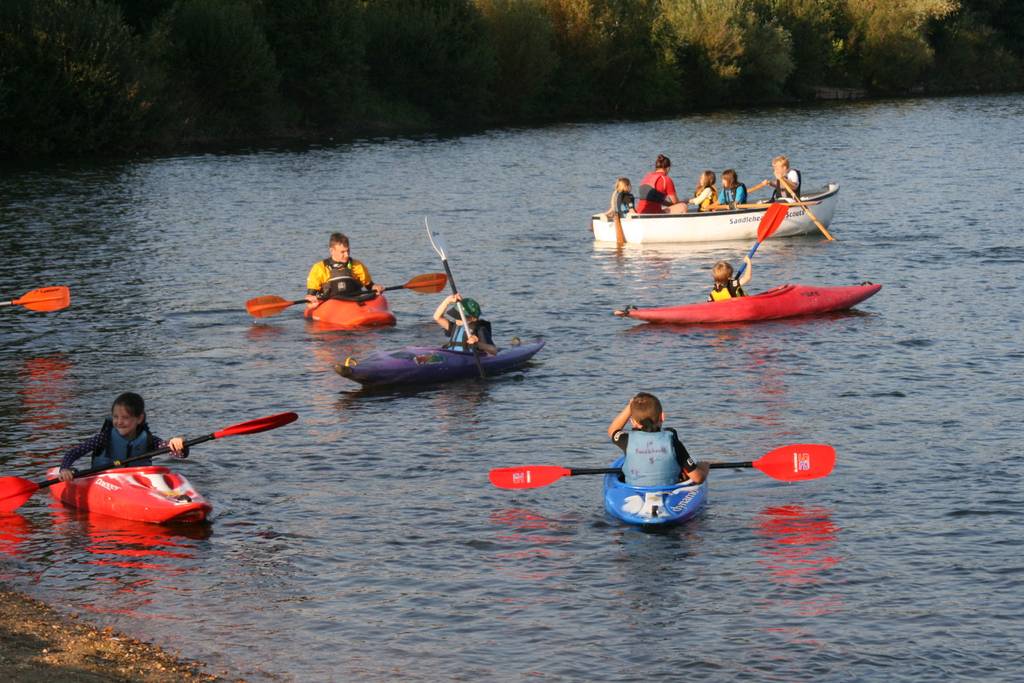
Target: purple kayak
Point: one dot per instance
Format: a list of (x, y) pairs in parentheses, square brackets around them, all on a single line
[(429, 365)]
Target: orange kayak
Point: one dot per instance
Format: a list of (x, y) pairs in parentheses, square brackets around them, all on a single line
[(344, 314)]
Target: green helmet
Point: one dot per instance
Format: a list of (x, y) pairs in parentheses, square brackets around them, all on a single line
[(470, 306)]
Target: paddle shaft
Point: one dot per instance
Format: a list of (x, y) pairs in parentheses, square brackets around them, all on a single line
[(750, 254), (458, 304), (121, 463), (620, 236), (618, 470)]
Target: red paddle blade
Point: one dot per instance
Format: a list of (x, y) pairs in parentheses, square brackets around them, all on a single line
[(428, 283), (771, 221), (14, 491), (266, 306), (798, 461), (45, 299), (527, 476), (260, 424)]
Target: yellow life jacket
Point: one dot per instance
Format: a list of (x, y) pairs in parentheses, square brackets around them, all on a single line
[(730, 290)]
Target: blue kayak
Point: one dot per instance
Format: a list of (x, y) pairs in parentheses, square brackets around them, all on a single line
[(429, 365), (652, 505)]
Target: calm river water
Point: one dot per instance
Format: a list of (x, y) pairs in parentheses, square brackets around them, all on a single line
[(364, 542)]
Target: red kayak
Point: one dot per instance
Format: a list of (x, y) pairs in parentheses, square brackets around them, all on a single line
[(344, 314), (782, 302), (146, 494)]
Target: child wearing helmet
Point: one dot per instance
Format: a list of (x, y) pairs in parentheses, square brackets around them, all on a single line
[(479, 330)]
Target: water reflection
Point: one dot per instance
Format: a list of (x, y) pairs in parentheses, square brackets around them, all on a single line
[(531, 540), (134, 559), (797, 544), (14, 530), (45, 390)]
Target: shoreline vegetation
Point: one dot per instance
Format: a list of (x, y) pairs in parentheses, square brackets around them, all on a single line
[(38, 644), (117, 77)]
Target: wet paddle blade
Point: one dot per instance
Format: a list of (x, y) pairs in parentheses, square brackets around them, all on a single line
[(45, 299), (771, 221), (261, 424), (428, 283), (798, 461), (14, 491), (527, 476), (436, 241), (266, 306)]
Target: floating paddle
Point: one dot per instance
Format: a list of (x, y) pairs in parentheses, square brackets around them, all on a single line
[(795, 462), (266, 306), (441, 248), (43, 299), (14, 490), (770, 222), (789, 188)]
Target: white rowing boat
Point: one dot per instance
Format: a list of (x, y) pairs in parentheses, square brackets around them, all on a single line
[(715, 226)]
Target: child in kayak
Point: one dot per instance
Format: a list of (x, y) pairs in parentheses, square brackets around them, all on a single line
[(338, 277), (726, 287), (124, 434), (654, 456), (479, 330)]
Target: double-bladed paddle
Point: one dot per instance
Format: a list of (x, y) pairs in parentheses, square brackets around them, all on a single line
[(795, 462), (43, 299), (266, 306), (14, 490), (442, 250), (770, 222)]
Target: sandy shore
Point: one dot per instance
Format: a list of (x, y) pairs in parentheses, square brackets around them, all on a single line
[(41, 645)]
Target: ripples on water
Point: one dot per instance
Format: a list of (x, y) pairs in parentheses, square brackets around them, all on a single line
[(365, 542)]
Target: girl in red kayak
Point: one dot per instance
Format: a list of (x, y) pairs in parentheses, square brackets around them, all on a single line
[(123, 435), (727, 287)]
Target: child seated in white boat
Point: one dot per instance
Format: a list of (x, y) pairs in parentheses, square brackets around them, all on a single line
[(623, 202)]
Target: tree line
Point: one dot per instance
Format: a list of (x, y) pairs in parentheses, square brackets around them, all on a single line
[(114, 76)]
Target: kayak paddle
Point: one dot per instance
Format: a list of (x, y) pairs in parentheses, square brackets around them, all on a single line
[(441, 248), (14, 490), (770, 222), (266, 306), (810, 213), (795, 462), (43, 299)]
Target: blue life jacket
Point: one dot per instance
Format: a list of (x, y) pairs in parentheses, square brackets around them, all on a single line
[(650, 459), (457, 336), (118, 448), (728, 195)]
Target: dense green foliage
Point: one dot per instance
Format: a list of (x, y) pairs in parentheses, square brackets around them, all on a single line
[(107, 76)]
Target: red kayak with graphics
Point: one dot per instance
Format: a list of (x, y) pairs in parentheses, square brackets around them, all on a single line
[(341, 313), (782, 302), (152, 494)]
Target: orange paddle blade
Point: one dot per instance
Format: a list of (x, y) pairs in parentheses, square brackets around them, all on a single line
[(14, 491), (428, 283), (771, 220), (45, 299), (266, 306)]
